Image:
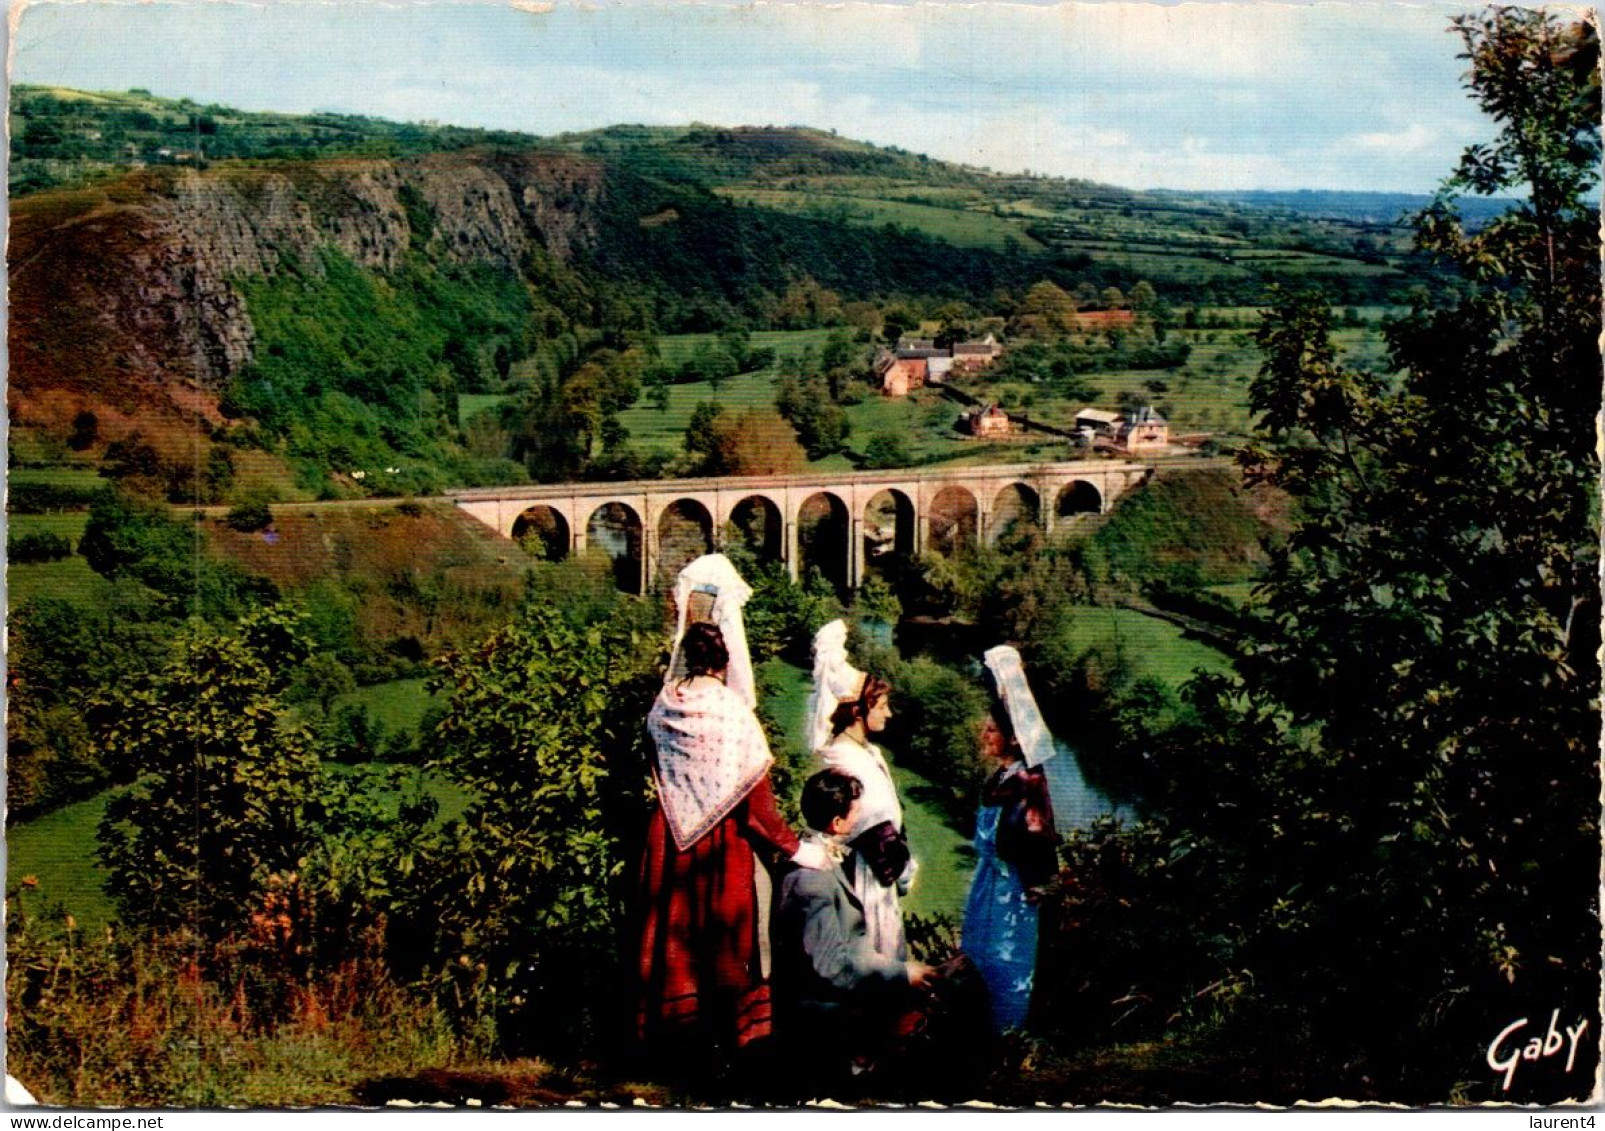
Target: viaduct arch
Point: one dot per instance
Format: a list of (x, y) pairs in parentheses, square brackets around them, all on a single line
[(655, 523)]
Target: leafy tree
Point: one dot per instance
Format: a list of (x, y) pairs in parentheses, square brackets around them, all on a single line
[(1046, 311), (545, 726), (126, 536), (219, 790), (657, 390), (887, 449), (701, 440), (1399, 806)]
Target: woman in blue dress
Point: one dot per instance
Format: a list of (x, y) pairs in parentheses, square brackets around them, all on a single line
[(1016, 852)]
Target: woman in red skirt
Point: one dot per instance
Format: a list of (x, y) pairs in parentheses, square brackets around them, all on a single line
[(701, 988)]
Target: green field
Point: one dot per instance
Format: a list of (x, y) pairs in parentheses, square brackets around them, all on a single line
[(654, 431), (677, 349), (68, 524), (57, 850), (70, 579), (398, 705), (82, 478), (1154, 647), (960, 227), (471, 404)]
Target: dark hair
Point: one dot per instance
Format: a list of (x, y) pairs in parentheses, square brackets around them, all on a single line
[(703, 646), (1000, 715), (827, 795), (850, 711)]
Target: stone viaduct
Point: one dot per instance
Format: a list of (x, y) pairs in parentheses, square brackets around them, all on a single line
[(837, 522)]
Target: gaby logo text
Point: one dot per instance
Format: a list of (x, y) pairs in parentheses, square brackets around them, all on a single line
[(1506, 1051)]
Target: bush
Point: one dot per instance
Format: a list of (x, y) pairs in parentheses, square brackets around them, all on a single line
[(42, 547), (935, 722), (248, 517), (42, 498), (219, 791), (525, 902)]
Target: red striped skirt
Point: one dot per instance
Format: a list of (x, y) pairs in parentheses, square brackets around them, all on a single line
[(698, 972)]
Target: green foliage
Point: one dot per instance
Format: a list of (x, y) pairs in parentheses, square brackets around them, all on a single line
[(57, 146), (42, 498), (1185, 530), (127, 537), (218, 790), (885, 450), (782, 615), (249, 516), (526, 900), (935, 725), (355, 371), (1399, 803), (41, 547)]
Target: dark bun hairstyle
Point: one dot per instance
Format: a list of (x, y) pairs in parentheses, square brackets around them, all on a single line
[(704, 650), (850, 711)]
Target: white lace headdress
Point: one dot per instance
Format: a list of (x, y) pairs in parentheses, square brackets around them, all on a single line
[(711, 751), (713, 583), (834, 680), (1008, 674)]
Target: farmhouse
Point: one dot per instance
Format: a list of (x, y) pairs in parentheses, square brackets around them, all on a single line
[(900, 375), (975, 355), (1145, 430), (918, 362), (1095, 423), (1139, 429), (986, 421)]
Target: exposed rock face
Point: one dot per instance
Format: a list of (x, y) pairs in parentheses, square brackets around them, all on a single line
[(140, 285)]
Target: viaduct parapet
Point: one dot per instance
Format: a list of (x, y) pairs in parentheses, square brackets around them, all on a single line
[(863, 513)]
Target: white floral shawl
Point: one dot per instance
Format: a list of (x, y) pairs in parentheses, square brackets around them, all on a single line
[(710, 753)]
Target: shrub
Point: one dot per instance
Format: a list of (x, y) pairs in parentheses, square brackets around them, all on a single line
[(41, 547), (251, 516), (218, 790), (525, 904)]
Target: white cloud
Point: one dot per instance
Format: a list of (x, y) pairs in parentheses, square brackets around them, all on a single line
[(1413, 139)]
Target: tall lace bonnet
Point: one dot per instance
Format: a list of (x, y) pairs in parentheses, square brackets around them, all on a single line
[(835, 680), (710, 590), (1008, 680)]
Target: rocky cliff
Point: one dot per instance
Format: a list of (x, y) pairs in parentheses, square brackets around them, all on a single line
[(130, 289)]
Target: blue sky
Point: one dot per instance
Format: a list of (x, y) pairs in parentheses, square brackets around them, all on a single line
[(1198, 96)]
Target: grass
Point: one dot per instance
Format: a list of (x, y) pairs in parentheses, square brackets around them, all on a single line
[(960, 227), (70, 579), (58, 851), (398, 705), (470, 405), (81, 478), (1153, 647), (68, 524), (677, 349), (654, 431)]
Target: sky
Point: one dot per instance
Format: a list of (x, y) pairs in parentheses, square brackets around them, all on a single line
[(1166, 95)]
